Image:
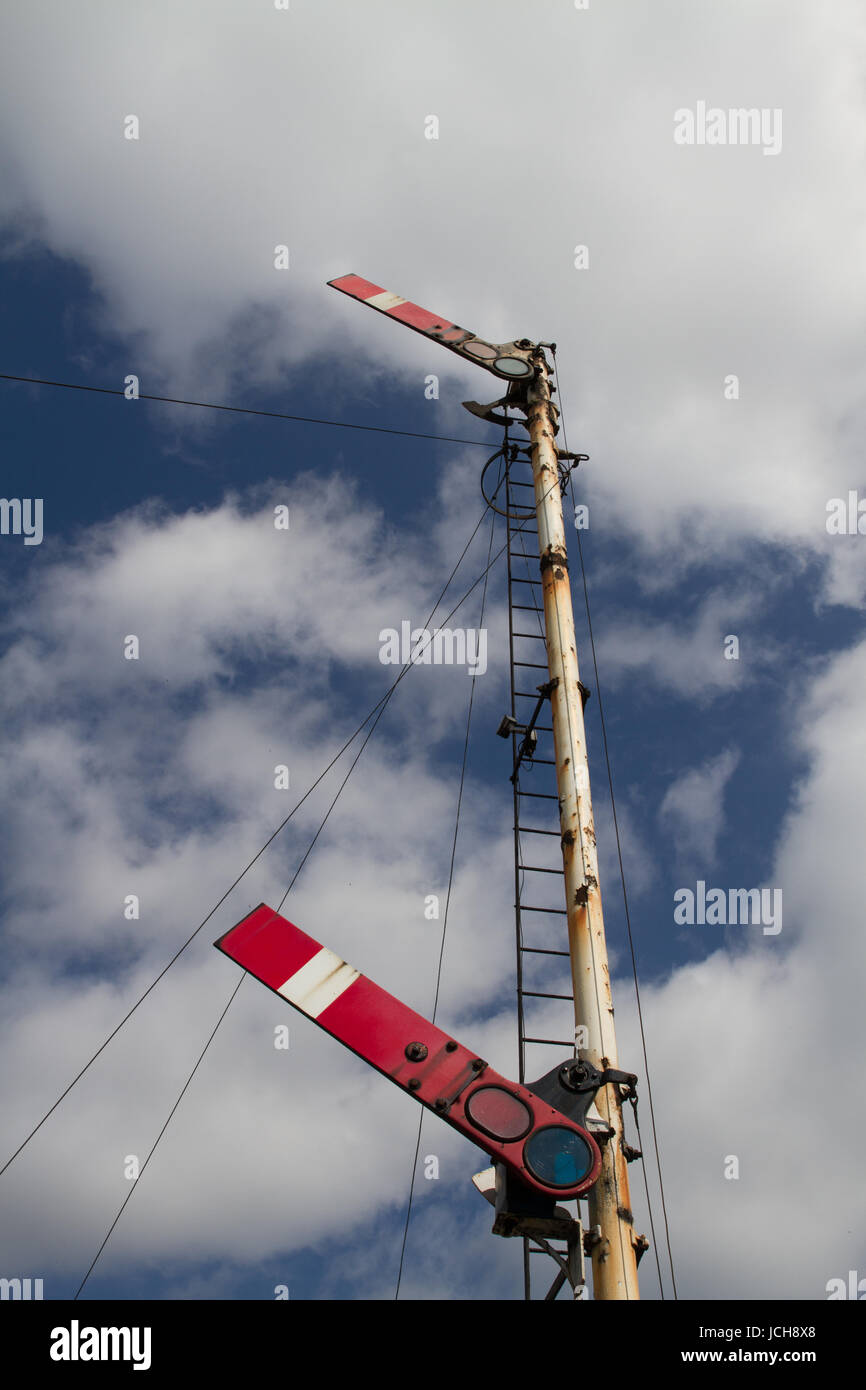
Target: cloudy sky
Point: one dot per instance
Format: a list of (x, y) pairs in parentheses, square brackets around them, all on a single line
[(711, 360)]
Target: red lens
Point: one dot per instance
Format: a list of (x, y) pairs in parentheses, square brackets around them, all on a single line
[(498, 1113)]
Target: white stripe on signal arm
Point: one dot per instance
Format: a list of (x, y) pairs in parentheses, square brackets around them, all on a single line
[(385, 300), (318, 983)]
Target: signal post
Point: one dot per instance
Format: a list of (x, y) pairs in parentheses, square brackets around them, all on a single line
[(613, 1247), (613, 1250)]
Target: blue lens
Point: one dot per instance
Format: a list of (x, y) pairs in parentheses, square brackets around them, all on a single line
[(558, 1156)]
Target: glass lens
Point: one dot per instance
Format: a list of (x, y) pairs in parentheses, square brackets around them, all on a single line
[(482, 350), (558, 1157), (498, 1113), (512, 366)]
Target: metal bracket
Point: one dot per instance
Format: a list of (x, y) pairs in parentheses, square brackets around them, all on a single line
[(571, 1264), (566, 472), (582, 1076), (509, 725), (592, 1239), (557, 1089), (488, 412), (572, 1089), (514, 398), (539, 1223)]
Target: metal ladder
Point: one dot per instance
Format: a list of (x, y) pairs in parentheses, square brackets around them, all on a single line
[(528, 671)]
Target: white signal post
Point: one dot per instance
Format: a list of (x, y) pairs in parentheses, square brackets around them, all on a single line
[(614, 1248), (614, 1255)]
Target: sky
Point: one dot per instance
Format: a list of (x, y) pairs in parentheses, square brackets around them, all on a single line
[(515, 169)]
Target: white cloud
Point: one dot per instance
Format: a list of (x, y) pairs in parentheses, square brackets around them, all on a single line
[(751, 1048), (268, 127), (156, 778), (693, 806), (688, 655), (308, 1133)]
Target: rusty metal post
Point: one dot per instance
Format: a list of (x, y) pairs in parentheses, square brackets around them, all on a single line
[(614, 1256)]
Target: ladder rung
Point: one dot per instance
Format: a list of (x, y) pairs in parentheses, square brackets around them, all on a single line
[(541, 951), (536, 636), (559, 911), (516, 579), (539, 796), (556, 1042), (526, 608), (531, 830), (532, 666), (539, 994), (513, 483), (534, 869), (529, 694)]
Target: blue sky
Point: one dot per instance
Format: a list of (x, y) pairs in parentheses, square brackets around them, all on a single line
[(707, 518)]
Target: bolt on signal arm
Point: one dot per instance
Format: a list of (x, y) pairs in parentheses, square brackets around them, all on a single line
[(539, 1145)]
